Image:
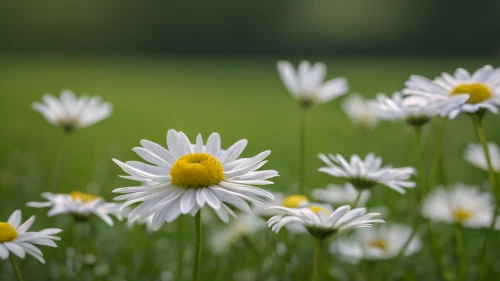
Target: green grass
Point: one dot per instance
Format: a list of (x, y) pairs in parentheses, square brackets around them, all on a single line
[(237, 97)]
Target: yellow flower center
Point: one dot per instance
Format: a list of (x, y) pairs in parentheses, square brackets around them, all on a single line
[(197, 170), (478, 92), (317, 209), (381, 244), (294, 201), (461, 215), (7, 232), (83, 197)]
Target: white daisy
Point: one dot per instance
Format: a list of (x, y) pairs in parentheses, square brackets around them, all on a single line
[(379, 243), (460, 203), (292, 201), (461, 91), (341, 195), (188, 176), (307, 85), (367, 173), (81, 206), (243, 227), (360, 111), (70, 112), (475, 155), (321, 221), (414, 110), (15, 238)]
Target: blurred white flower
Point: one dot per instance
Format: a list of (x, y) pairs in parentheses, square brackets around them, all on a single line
[(292, 201), (79, 205), (307, 85), (461, 92), (365, 174), (70, 112), (322, 222), (379, 243), (341, 195), (15, 238), (459, 203), (475, 155), (360, 111), (188, 176), (243, 227)]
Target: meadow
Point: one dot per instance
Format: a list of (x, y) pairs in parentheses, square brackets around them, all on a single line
[(240, 98)]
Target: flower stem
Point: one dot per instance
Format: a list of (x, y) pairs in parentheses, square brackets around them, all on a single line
[(16, 267), (197, 255), (437, 156), (317, 258), (180, 254), (302, 149), (358, 197), (421, 166), (462, 276), (60, 163)]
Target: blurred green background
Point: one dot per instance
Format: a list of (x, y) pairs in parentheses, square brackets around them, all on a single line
[(204, 66)]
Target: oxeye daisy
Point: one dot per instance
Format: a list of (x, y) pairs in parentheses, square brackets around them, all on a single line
[(82, 206), (360, 111), (341, 195), (378, 243), (307, 85), (365, 174), (461, 92), (70, 112), (292, 201), (475, 155), (15, 238), (461, 204)]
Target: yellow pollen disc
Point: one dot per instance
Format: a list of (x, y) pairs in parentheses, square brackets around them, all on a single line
[(317, 209), (478, 92), (382, 245), (294, 201), (461, 215), (7, 232), (197, 170), (83, 197)]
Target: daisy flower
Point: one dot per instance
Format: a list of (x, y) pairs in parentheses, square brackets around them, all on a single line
[(475, 155), (189, 176), (15, 238), (307, 85), (461, 92), (81, 206), (414, 110), (243, 227), (341, 195), (379, 243), (292, 201), (70, 112), (460, 203), (360, 111), (322, 221), (365, 174)]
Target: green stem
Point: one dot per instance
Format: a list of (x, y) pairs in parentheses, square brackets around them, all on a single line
[(60, 163), (484, 248), (358, 197), (180, 254), (317, 259), (197, 255), (461, 253), (437, 156), (436, 252), (250, 245), (421, 166), (302, 149), (16, 267)]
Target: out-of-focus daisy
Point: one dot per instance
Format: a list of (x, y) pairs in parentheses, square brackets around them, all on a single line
[(475, 155), (81, 206), (360, 111), (307, 85), (461, 91), (378, 243), (365, 174), (460, 203), (292, 201), (70, 112), (15, 238), (243, 227), (341, 195), (414, 110), (189, 176), (322, 221)]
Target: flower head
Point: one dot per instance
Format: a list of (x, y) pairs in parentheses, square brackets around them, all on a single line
[(341, 195), (475, 155), (15, 238), (188, 176), (460, 203), (367, 173), (81, 206), (70, 112), (307, 85), (360, 111), (461, 92)]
